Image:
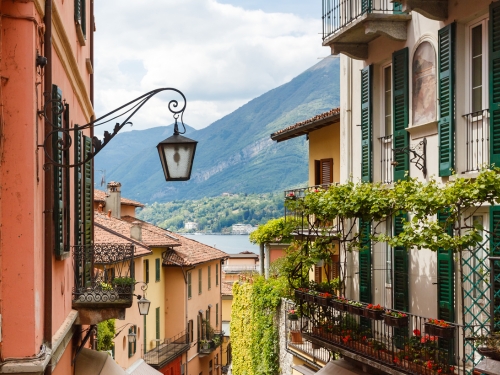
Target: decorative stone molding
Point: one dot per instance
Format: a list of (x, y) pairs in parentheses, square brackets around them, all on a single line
[(354, 51), (423, 130), (391, 29)]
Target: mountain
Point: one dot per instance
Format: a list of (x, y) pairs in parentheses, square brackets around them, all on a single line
[(234, 154)]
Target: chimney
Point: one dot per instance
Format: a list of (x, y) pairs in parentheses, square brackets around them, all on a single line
[(113, 199), (136, 231)]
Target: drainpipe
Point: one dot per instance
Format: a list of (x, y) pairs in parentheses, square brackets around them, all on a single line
[(261, 259), (49, 191)]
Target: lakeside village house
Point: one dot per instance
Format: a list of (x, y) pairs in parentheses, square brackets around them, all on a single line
[(419, 74)]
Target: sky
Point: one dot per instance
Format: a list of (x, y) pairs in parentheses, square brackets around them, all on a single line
[(219, 53)]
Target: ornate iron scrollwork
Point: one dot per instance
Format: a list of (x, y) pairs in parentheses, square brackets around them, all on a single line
[(64, 138), (419, 159)]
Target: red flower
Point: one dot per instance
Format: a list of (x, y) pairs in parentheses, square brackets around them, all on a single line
[(396, 360), (429, 364), (417, 332), (440, 371)]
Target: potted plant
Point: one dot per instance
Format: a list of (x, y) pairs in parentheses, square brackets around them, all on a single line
[(292, 315), (488, 346), (374, 312), (323, 298), (395, 318), (440, 328), (355, 308), (124, 286), (340, 303)]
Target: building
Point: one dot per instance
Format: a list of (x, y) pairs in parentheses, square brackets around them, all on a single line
[(237, 264), (242, 229), (191, 225), (46, 86), (418, 98)]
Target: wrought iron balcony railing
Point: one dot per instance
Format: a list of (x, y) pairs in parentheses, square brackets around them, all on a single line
[(209, 344), (477, 141), (338, 14), (409, 344), (309, 225), (167, 350), (104, 275), (386, 160), (240, 268)]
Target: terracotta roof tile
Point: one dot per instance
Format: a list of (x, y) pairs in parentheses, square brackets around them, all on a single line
[(304, 127), (100, 196), (226, 289), (192, 252)]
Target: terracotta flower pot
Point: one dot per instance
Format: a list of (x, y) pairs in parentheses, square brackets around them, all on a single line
[(395, 322)]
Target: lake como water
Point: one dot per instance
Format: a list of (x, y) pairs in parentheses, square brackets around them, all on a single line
[(230, 243)]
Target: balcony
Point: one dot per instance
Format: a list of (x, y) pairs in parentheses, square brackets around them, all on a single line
[(477, 140), (349, 25), (104, 281), (409, 344), (167, 351), (309, 225), (209, 344), (226, 268), (432, 9), (386, 160)]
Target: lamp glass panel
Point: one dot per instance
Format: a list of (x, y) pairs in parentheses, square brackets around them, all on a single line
[(179, 158), (143, 304)]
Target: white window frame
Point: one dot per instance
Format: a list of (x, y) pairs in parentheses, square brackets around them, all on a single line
[(468, 41), (382, 131)]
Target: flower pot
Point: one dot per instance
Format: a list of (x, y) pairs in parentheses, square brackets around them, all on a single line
[(355, 310), (322, 301), (296, 337), (373, 314), (293, 317), (489, 352), (443, 332), (395, 322), (299, 295), (309, 298)]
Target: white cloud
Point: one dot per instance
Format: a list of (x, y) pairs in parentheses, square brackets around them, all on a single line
[(220, 56)]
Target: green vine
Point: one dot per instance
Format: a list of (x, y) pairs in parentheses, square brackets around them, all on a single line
[(105, 335), (276, 230), (254, 332)]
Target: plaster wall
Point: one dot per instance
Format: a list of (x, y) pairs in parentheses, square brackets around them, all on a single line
[(324, 144), (241, 261), (175, 301)]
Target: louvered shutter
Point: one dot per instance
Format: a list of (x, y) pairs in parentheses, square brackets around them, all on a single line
[(366, 6), (400, 103), (78, 11), (326, 171), (446, 74), (157, 313), (400, 286), (78, 157), (365, 262), (157, 269), (130, 348), (366, 124), (446, 277), (494, 78), (88, 193), (57, 154), (318, 271), (397, 8)]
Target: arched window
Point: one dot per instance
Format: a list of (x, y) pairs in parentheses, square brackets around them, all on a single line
[(424, 84)]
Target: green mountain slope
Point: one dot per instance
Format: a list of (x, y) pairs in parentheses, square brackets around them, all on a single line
[(235, 153)]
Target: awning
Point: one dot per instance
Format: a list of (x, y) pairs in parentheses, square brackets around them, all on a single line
[(140, 367), (91, 362), (340, 367)]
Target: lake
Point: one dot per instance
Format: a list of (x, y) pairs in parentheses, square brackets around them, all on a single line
[(229, 243)]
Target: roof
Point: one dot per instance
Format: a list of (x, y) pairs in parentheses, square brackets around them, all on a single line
[(305, 127), (140, 367), (188, 253), (226, 289), (111, 229), (100, 196), (248, 255)]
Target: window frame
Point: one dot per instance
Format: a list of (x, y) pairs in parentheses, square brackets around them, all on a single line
[(200, 281), (209, 272), (484, 21), (146, 270), (189, 285), (217, 274), (157, 270)]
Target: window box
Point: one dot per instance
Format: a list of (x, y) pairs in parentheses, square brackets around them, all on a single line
[(392, 321), (442, 332)]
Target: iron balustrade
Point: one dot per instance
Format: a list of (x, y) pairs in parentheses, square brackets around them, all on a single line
[(309, 225), (410, 344), (477, 142), (240, 268), (208, 344), (337, 14), (104, 274), (167, 350), (386, 160)]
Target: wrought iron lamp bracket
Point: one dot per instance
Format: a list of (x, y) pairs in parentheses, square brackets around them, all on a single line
[(144, 287), (417, 155), (63, 134)]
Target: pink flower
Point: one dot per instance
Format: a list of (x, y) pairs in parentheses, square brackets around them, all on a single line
[(417, 332)]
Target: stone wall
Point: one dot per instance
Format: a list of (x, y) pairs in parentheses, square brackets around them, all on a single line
[(285, 357)]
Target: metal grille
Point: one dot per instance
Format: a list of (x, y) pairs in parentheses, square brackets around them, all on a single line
[(386, 160), (103, 273), (477, 142)]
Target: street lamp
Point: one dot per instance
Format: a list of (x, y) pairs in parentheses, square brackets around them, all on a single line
[(143, 303), (176, 152), (131, 336)]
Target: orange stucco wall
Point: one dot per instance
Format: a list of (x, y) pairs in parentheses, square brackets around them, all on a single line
[(22, 176), (324, 144)]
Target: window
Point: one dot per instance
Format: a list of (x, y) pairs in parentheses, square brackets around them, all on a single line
[(146, 270), (388, 254), (216, 275), (209, 277), (199, 281), (132, 346), (216, 314), (81, 21), (478, 37), (157, 324), (189, 284), (424, 84), (157, 269), (388, 100), (323, 173), (190, 330), (386, 153)]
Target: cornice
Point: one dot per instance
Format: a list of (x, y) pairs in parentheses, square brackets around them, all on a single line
[(62, 46), (40, 7)]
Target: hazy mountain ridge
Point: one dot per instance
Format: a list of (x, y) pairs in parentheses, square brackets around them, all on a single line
[(235, 153)]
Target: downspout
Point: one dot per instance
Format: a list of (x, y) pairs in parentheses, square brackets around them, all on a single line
[(261, 259), (92, 28), (349, 159), (49, 190)]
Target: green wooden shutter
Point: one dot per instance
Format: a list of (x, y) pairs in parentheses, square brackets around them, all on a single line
[(446, 74), (366, 6), (217, 275), (366, 124), (189, 284), (157, 323), (400, 103), (209, 277), (88, 194), (199, 282), (78, 156), (157, 269), (494, 78), (78, 11), (400, 285), (397, 8), (365, 262), (57, 155), (446, 277), (130, 348)]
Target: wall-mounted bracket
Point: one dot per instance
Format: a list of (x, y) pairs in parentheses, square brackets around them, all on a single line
[(416, 153)]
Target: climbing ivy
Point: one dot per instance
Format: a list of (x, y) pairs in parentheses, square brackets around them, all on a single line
[(275, 230), (254, 329), (105, 334)]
